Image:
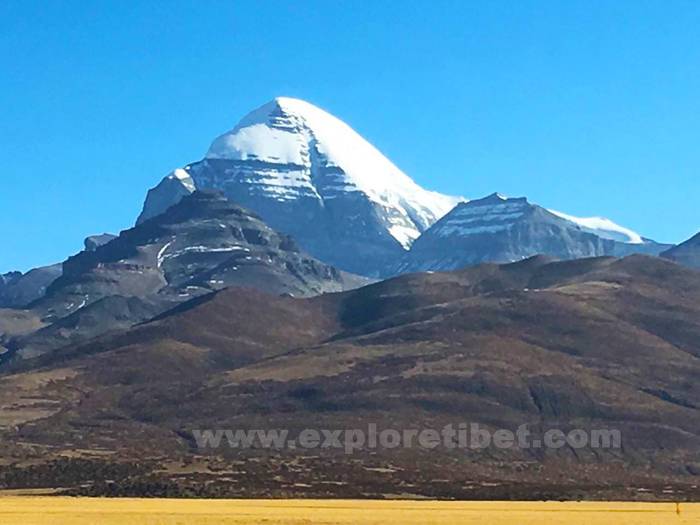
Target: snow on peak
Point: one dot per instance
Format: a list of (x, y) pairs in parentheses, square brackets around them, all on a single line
[(497, 213), (184, 177), (603, 227), (491, 214), (334, 159)]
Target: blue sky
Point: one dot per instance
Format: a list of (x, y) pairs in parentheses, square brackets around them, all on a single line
[(589, 107)]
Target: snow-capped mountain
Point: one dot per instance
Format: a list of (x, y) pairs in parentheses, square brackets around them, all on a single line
[(501, 229), (310, 175)]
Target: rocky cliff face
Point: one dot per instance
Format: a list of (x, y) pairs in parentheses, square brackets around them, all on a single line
[(95, 241)]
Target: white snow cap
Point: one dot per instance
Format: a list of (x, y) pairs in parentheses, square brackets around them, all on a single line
[(184, 177), (292, 131), (603, 227)]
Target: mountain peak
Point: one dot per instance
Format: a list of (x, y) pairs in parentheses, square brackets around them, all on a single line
[(290, 131), (493, 213), (687, 253), (497, 198), (310, 175), (278, 106)]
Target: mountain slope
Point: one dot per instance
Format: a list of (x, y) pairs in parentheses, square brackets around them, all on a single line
[(595, 343), (686, 253), (18, 290), (202, 244), (310, 175), (501, 229)]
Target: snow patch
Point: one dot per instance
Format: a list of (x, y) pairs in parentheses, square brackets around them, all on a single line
[(185, 178), (160, 256), (206, 249), (603, 227), (404, 234)]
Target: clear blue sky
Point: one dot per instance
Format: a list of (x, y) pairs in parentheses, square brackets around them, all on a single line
[(590, 107)]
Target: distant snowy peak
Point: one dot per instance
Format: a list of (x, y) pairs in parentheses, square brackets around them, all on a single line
[(491, 214), (501, 229), (603, 227), (497, 212), (332, 160)]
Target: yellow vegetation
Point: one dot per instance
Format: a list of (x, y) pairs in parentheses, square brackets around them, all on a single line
[(87, 511)]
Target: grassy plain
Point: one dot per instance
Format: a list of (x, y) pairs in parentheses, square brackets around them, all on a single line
[(87, 511)]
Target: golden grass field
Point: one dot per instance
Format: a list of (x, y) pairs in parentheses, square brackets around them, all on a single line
[(88, 511)]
